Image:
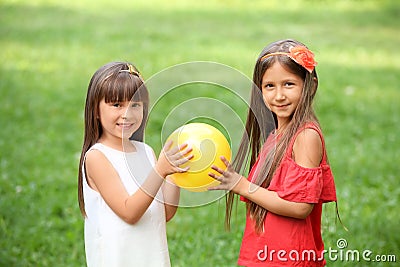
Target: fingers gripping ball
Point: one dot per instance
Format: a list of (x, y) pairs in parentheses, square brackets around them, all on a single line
[(208, 145)]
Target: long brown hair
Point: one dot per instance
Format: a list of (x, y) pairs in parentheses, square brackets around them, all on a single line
[(113, 82), (260, 123)]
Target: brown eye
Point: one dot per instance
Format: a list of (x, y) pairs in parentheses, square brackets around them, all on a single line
[(289, 84), (269, 86), (136, 105)]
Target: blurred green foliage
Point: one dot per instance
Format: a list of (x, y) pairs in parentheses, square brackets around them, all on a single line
[(50, 49)]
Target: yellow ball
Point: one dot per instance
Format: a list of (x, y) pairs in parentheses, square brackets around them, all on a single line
[(208, 145)]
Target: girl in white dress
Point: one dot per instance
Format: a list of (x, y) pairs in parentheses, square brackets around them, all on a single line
[(123, 191)]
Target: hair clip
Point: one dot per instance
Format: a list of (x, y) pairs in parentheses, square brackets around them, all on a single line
[(299, 54), (132, 71)]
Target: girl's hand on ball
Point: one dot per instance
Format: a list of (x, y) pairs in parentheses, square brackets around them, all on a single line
[(171, 158), (228, 178)]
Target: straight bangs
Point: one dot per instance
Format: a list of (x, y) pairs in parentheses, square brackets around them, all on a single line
[(286, 63), (124, 87)]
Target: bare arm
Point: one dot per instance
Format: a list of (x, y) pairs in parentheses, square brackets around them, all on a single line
[(103, 178), (307, 149), (171, 194), (307, 152), (270, 200)]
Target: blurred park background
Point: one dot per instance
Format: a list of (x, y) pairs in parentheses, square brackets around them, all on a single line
[(49, 49)]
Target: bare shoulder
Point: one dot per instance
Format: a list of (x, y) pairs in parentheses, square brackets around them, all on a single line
[(99, 169), (309, 137), (97, 163), (307, 148), (94, 158)]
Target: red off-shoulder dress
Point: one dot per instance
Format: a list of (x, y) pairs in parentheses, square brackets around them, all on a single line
[(288, 241)]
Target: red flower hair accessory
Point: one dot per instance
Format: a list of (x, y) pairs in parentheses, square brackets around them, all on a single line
[(299, 54)]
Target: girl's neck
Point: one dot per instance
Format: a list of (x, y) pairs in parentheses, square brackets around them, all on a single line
[(281, 128), (124, 145)]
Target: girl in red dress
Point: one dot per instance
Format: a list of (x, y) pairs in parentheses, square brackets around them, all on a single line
[(290, 177)]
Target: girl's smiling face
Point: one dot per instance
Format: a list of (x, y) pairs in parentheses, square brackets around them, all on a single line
[(120, 119), (281, 91)]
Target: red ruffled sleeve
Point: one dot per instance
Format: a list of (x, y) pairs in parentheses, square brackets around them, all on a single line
[(298, 184), (295, 183), (328, 193)]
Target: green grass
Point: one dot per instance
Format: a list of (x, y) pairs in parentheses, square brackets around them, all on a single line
[(50, 49)]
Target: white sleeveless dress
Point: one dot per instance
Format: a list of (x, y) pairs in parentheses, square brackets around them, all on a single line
[(111, 242)]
